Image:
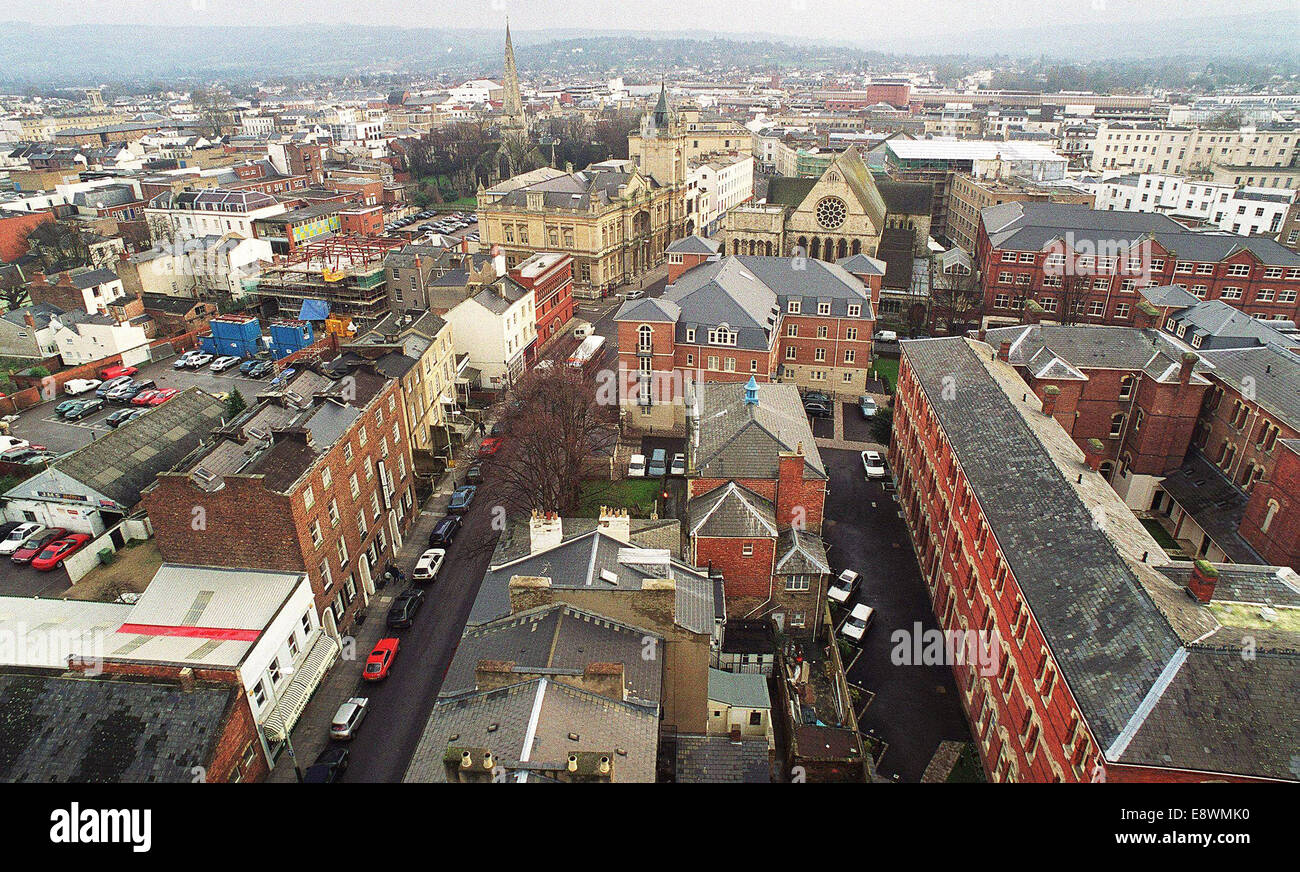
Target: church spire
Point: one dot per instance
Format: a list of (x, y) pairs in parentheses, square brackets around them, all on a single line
[(661, 108), (512, 103)]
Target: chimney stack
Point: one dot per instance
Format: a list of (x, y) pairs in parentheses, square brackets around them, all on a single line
[(1094, 452), (615, 522), (1185, 370), (1145, 315), (1033, 312), (1050, 393), (529, 592), (29, 320), (1201, 584), (545, 530), (1004, 350)]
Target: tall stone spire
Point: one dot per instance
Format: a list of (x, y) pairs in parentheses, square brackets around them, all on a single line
[(661, 108), (512, 102)]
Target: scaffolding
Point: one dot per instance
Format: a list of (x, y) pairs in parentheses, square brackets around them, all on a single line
[(347, 272)]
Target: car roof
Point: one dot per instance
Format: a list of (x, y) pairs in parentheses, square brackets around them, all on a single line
[(861, 610)]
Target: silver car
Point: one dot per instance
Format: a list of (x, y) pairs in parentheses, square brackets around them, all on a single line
[(348, 718)]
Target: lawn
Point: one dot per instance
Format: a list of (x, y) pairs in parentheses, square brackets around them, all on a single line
[(637, 495), (1161, 535), (887, 368), (967, 769)]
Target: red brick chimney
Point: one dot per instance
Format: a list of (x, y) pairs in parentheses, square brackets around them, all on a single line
[(1201, 584), (983, 333), (1094, 452), (789, 486), (1185, 371), (29, 320), (1004, 352), (39, 279), (1033, 313), (1145, 315), (1050, 393)]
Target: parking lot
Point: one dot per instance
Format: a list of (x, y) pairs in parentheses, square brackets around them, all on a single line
[(41, 426)]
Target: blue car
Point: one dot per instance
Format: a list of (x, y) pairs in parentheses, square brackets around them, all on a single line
[(461, 498)]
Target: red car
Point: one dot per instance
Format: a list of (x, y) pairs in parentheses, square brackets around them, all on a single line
[(489, 446), (163, 396), (380, 660), (144, 398), (115, 371), (36, 544), (58, 550)]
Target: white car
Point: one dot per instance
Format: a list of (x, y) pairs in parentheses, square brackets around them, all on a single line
[(18, 536), (75, 386), (855, 627), (679, 465), (873, 464), (7, 442), (426, 568), (841, 589), (348, 718), (225, 362), (199, 360), (634, 294), (636, 466)]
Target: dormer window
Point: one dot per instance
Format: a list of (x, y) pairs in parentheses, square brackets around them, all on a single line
[(794, 307)]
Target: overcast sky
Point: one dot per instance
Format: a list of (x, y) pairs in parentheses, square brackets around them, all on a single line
[(853, 20)]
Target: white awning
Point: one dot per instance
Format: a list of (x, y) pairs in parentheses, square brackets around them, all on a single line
[(294, 698)]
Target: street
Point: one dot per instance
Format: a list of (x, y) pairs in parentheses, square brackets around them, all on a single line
[(914, 707)]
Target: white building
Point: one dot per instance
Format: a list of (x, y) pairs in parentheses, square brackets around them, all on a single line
[(212, 212), (1177, 150), (475, 91), (188, 267), (714, 186), (83, 338), (1246, 211), (496, 327)]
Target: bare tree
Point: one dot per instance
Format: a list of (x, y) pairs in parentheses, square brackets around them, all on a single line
[(13, 288), (956, 300), (1072, 296), (58, 246)]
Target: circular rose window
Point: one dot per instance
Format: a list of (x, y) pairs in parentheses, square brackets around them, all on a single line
[(831, 212)]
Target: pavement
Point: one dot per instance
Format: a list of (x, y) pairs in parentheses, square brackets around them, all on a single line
[(914, 708), (400, 704)]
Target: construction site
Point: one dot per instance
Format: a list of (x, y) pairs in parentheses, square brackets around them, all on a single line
[(344, 272)]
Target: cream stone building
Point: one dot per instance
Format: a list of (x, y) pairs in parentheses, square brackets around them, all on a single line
[(669, 140)]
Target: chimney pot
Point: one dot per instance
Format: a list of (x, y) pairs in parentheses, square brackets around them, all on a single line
[(1050, 393), (1204, 578), (1094, 453), (466, 759), (1185, 370), (573, 762)]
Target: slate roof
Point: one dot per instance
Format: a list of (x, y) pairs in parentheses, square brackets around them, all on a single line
[(574, 191), (739, 441), (800, 553), (718, 760), (40, 312), (739, 689), (861, 264), (558, 637), (1215, 504), (1104, 631), (1062, 351), (905, 198), (1275, 374), (1227, 327), (694, 245), (731, 511), (1245, 584), (503, 721), (1169, 296), (122, 463), (785, 191), (106, 731)]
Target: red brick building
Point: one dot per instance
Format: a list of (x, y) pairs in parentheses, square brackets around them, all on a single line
[(550, 277), (756, 495), (1094, 663), (768, 318), (687, 253), (315, 478), (1087, 266)]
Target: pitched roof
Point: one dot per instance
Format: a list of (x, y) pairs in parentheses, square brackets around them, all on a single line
[(739, 441), (731, 511), (718, 760), (741, 689), (1273, 373), (1062, 351), (694, 245)]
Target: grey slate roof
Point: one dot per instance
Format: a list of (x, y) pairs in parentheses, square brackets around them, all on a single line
[(1275, 374), (718, 760), (731, 511), (1215, 503), (1110, 640), (1169, 296), (694, 245), (122, 463), (740, 689), (40, 313), (1221, 326), (95, 730), (499, 720), (1079, 347), (861, 264), (558, 637), (574, 191), (1245, 584), (739, 441), (800, 553)]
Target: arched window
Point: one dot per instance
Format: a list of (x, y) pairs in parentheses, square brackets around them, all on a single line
[(857, 246), (1126, 387), (1116, 425), (815, 249), (1269, 516), (842, 250), (645, 338)]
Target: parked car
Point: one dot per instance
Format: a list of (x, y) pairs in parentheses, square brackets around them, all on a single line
[(283, 378), (815, 397), (66, 406), (8, 527), (105, 387), (249, 364), (18, 535), (444, 532), (162, 396), (221, 364), (58, 551), (490, 446), (328, 768), (856, 624), (127, 392), (36, 543), (86, 407), (183, 362), (842, 586), (118, 371), (259, 369), (634, 294), (868, 406), (461, 498), (818, 410), (199, 360), (381, 659), (348, 717), (75, 386), (658, 465), (7, 442), (426, 568), (405, 605), (144, 398), (474, 474), (679, 464), (636, 466), (873, 464), (121, 416), (886, 336), (19, 455)]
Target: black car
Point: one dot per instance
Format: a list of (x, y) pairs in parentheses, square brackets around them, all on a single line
[(121, 416), (328, 768), (8, 527), (125, 393), (444, 532), (87, 407), (260, 369), (103, 390), (474, 475), (818, 410), (815, 397), (405, 605)]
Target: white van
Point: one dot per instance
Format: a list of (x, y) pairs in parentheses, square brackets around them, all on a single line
[(636, 466), (886, 336), (582, 329)]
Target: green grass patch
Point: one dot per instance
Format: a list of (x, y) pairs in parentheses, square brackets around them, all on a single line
[(637, 495), (886, 368), (968, 769), (1159, 533)]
